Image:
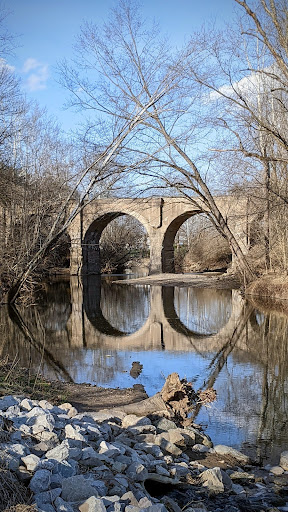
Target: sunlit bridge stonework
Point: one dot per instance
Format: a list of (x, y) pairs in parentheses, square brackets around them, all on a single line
[(161, 217)]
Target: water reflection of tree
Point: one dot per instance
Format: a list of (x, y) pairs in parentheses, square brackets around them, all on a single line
[(94, 366), (272, 347), (219, 360), (33, 339), (255, 399), (203, 310)]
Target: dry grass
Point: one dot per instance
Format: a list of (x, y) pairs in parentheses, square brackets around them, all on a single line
[(21, 507), (273, 287), (14, 495), (15, 380)]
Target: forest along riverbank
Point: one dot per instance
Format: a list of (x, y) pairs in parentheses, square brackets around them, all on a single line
[(116, 460)]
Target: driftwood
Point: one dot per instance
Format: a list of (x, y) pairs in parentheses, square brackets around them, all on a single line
[(175, 401)]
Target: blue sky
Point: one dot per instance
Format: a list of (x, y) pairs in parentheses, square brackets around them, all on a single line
[(46, 31)]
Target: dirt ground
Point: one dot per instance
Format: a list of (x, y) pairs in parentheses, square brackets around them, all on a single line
[(93, 398), (203, 280)]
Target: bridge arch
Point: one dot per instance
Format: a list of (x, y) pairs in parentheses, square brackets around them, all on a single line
[(167, 254), (91, 263)]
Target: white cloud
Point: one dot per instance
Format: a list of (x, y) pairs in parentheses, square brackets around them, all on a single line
[(246, 86), (251, 85), (30, 64), (37, 79)]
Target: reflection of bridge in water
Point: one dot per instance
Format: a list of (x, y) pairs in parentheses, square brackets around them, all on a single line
[(163, 328)]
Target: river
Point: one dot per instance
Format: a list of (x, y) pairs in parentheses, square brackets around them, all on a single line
[(94, 331)]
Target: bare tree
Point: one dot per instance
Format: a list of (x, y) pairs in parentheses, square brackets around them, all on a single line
[(244, 73), (201, 246), (123, 240), (121, 68)]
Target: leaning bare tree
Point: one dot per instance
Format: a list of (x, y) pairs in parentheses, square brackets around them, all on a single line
[(101, 171), (119, 69), (245, 74)]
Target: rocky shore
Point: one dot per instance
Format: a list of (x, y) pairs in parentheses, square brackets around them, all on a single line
[(120, 462)]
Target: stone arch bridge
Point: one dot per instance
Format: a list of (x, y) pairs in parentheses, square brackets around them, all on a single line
[(161, 217)]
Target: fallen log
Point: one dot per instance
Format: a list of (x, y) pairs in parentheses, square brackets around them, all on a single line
[(175, 401)]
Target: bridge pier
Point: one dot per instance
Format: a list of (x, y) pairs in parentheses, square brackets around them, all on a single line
[(76, 257), (155, 251)]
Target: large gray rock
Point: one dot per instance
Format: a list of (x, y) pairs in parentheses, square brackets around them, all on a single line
[(45, 404), (47, 437), (89, 457), (35, 411), (200, 448), (130, 497), (161, 440), (162, 471), (179, 469), (46, 464), (189, 436), (27, 404), (164, 424), (64, 451), (93, 432), (8, 401), (78, 488), (41, 422), (131, 420), (176, 437), (145, 502), (276, 470), (16, 449), (216, 480), (137, 472), (31, 462), (69, 409), (110, 450), (74, 433), (40, 481), (66, 468), (137, 430), (227, 450), (47, 496)]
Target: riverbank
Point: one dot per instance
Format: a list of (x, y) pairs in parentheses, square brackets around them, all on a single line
[(16, 380), (115, 461), (201, 280), (269, 294), (271, 286)]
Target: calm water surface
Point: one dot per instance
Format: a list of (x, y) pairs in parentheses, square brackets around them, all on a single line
[(93, 331)]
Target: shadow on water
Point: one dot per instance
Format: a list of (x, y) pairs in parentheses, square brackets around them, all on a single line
[(116, 335)]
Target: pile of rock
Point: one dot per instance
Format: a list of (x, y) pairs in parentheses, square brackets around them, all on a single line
[(114, 461)]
